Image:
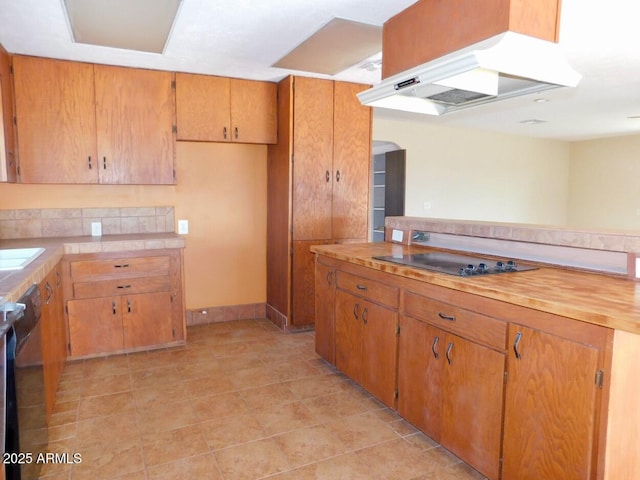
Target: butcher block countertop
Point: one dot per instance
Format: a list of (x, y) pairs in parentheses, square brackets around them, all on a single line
[(606, 300), (14, 283)]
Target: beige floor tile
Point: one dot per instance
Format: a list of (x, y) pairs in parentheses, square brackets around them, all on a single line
[(148, 360), (108, 462), (202, 387), (253, 377), (163, 417), (336, 405), (228, 431), (159, 395), (99, 367), (218, 406), (363, 430), (173, 445), (202, 466), (267, 396), (155, 377), (66, 446), (190, 371), (287, 417), (106, 384), (317, 385), (104, 431), (395, 460), (309, 445), (106, 405), (342, 467), (251, 460)]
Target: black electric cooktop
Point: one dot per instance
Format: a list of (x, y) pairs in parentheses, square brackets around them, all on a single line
[(454, 264)]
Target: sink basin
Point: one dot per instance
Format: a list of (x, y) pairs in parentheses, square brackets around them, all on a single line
[(18, 258)]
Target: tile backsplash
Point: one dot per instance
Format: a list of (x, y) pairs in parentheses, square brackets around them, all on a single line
[(76, 222)]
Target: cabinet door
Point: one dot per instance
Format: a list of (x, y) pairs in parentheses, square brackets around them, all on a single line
[(379, 349), (95, 326), (203, 108), (472, 403), (147, 319), (312, 158), (349, 335), (8, 152), (134, 117), (550, 407), (325, 312), (351, 162), (56, 119), (421, 351), (253, 112)]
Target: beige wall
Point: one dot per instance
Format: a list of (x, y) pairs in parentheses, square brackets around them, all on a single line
[(221, 190), (604, 188), (480, 175)]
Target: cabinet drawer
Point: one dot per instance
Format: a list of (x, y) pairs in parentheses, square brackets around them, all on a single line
[(370, 289), (123, 286), (467, 324), (86, 270)]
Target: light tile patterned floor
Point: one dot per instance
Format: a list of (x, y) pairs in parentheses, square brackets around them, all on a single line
[(241, 401)]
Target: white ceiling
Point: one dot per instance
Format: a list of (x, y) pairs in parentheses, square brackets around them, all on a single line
[(245, 37)]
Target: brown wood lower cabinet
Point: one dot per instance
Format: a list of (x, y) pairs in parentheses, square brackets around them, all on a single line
[(551, 407), (124, 301), (54, 335), (517, 393), (452, 388)]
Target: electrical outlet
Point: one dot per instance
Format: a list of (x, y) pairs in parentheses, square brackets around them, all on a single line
[(183, 227), (96, 229)]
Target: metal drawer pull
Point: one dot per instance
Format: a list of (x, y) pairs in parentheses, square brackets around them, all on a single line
[(516, 343), (113, 307), (49, 290), (337, 175), (330, 277), (364, 315), (224, 133), (434, 347), (123, 286), (451, 318), (236, 132), (355, 310), (124, 265), (129, 306), (449, 348), (327, 176), (104, 163), (89, 162), (361, 287)]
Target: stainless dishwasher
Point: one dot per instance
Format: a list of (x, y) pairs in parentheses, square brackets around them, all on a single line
[(26, 421)]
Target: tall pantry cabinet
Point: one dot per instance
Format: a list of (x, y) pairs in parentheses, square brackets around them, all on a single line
[(318, 188)]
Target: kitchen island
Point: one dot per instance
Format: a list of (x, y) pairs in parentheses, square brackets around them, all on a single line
[(525, 375)]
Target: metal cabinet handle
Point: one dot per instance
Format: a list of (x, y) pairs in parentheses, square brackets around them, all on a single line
[(448, 353), (89, 162), (434, 347), (123, 286), (113, 307), (121, 265), (104, 163), (361, 287), (330, 277), (224, 133), (364, 315), (355, 311), (516, 344), (235, 132), (49, 290), (327, 176), (337, 175), (129, 306), (450, 318), (59, 277)]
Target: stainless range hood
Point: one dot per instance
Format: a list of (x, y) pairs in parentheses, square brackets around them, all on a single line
[(501, 67)]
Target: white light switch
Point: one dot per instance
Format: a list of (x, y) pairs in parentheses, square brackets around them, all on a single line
[(96, 229), (183, 227), (397, 235)]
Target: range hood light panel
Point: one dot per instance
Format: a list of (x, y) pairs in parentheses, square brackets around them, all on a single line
[(505, 66)]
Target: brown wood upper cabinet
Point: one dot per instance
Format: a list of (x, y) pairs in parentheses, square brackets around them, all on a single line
[(85, 123), (220, 109), (8, 153)]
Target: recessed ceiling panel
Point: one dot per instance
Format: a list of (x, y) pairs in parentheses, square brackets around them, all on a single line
[(337, 46), (142, 25)]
